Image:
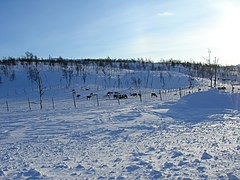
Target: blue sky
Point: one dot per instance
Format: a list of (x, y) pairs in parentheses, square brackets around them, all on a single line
[(153, 29)]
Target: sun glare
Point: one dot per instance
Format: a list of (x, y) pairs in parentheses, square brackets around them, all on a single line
[(226, 36)]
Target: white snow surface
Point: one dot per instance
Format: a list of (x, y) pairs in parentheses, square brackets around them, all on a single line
[(198, 106), (133, 140), (165, 137)]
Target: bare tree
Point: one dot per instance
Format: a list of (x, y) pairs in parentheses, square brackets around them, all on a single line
[(40, 89), (136, 81), (215, 71), (210, 66), (148, 73), (34, 76), (162, 79), (67, 74)]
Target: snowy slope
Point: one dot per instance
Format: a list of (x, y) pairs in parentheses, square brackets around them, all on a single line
[(63, 79), (175, 135)]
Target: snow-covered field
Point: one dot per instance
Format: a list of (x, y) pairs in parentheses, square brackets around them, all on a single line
[(152, 139), (180, 134)]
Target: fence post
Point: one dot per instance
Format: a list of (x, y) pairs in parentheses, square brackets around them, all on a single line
[(140, 95), (53, 103), (97, 101), (160, 95), (7, 106), (29, 104), (74, 101)]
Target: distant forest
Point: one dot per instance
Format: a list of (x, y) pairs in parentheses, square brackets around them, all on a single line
[(213, 71)]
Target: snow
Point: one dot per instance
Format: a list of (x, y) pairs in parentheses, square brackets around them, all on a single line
[(192, 137), (208, 99), (198, 106)]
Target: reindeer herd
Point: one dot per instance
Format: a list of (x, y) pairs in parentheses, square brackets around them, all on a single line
[(113, 95)]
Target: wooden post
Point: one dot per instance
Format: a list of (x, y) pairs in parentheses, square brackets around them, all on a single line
[(74, 101), (140, 97), (160, 95), (40, 89), (29, 104), (53, 103), (118, 100), (97, 101), (7, 106)]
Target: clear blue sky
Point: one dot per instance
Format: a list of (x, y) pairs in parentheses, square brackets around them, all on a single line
[(153, 29)]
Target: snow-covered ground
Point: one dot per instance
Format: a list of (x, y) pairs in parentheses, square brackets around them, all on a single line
[(180, 134), (195, 137)]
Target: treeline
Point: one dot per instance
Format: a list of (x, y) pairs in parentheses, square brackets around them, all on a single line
[(195, 69)]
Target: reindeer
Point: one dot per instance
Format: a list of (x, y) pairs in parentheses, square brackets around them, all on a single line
[(109, 94), (222, 88), (120, 96), (73, 92), (116, 96), (134, 94), (123, 96), (78, 96), (153, 94), (91, 95)]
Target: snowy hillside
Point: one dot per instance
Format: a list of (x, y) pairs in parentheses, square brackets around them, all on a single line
[(17, 82), (162, 130)]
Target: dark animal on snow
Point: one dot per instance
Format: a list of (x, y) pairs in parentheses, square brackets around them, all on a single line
[(73, 92), (153, 95), (222, 88), (78, 96), (109, 93), (120, 96), (134, 94), (91, 94), (123, 96), (116, 96), (89, 97)]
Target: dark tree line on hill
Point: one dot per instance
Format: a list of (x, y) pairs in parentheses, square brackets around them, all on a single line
[(193, 69)]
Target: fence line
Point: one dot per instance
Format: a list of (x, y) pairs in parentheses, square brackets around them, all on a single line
[(164, 95)]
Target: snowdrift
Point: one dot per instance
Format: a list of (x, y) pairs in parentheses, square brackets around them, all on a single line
[(199, 106)]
